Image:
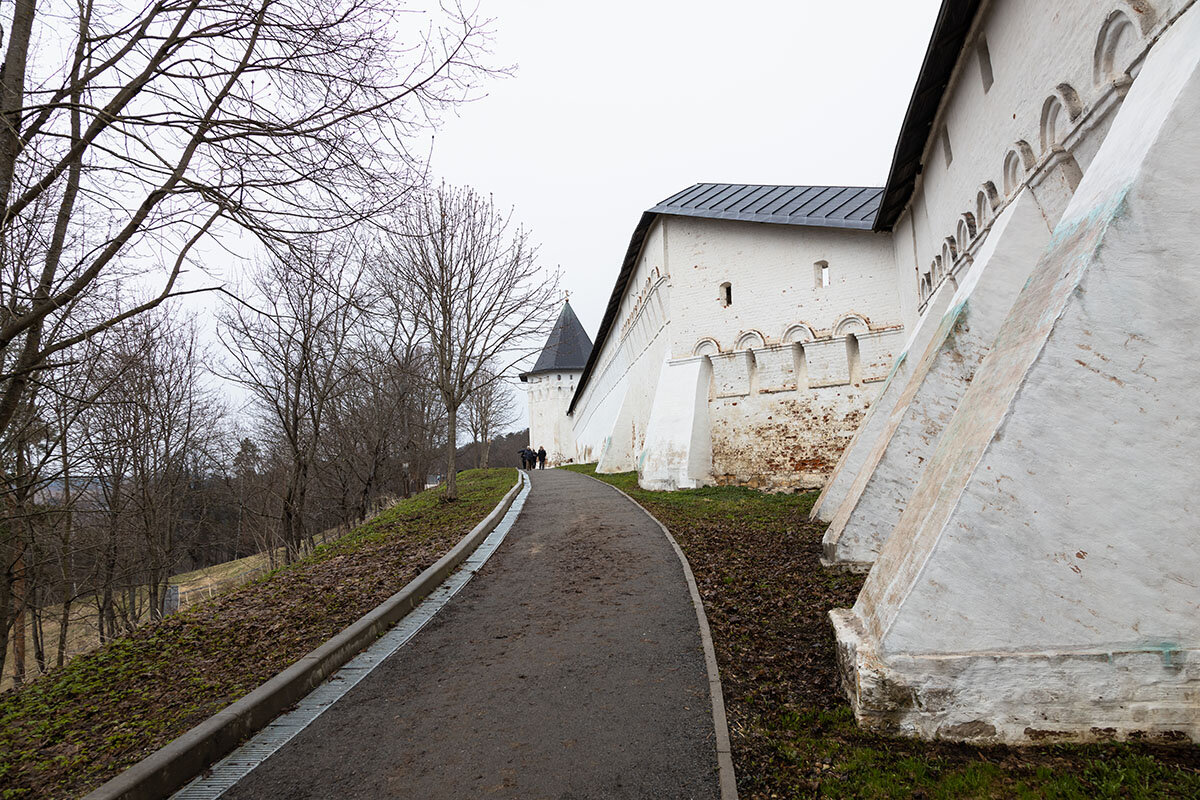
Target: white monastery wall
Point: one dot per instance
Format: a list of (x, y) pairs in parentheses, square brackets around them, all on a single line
[(762, 391), (1021, 122), (936, 384), (853, 458), (799, 353), (1029, 102), (610, 419), (774, 279), (1041, 582), (549, 396)]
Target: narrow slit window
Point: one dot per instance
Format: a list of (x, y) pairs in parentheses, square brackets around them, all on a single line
[(821, 274), (985, 64), (946, 151), (726, 295)]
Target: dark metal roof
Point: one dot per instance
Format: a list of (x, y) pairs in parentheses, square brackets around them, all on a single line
[(821, 206), (945, 45), (567, 346)]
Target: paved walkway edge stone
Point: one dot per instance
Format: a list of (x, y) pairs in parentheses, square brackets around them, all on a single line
[(721, 726), (173, 765)]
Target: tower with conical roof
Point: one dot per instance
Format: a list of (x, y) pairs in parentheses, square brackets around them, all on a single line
[(551, 384)]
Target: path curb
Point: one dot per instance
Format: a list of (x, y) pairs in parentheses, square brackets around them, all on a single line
[(726, 775), (173, 765)]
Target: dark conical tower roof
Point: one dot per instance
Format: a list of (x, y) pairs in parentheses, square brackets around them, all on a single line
[(567, 347)]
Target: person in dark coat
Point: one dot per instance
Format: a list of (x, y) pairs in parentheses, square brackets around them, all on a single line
[(524, 454), (541, 457)]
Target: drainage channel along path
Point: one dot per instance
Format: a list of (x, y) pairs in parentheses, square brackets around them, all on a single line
[(571, 667)]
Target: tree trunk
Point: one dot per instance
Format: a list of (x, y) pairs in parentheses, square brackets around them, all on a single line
[(64, 620), (18, 628), (39, 638), (65, 557), (451, 452)]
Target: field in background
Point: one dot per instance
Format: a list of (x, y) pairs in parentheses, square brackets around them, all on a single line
[(83, 633)]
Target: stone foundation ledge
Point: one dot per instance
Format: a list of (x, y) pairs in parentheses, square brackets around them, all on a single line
[(839, 551), (857, 567), (1149, 694)]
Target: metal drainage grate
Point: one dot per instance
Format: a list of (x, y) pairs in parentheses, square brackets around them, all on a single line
[(238, 764)]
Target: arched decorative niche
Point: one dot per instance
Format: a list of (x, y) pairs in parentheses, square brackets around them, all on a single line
[(854, 359), (1017, 163), (1058, 110), (800, 365), (1053, 119), (1013, 173), (935, 270), (966, 231), (1116, 47), (749, 340), (1070, 100), (926, 286), (798, 334), (949, 252), (850, 324), (706, 347), (986, 202)]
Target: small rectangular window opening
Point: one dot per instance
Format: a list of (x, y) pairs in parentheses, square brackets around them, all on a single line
[(946, 151), (821, 274), (726, 294), (985, 64)]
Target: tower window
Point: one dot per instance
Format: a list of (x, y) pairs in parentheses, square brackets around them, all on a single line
[(821, 274), (726, 294)]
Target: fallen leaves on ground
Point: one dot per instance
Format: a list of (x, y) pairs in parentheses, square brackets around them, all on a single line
[(80, 725), (756, 561)]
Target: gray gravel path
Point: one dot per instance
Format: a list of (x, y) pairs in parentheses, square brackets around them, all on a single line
[(571, 667)]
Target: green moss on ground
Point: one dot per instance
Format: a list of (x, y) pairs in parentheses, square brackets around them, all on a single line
[(78, 726), (755, 558)]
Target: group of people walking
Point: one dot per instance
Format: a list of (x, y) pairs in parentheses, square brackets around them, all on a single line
[(531, 460)]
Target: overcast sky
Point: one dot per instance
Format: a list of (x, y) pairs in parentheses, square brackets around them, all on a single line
[(617, 105)]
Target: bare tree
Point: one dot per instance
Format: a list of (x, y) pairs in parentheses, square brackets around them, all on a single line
[(146, 437), (131, 133), (298, 355), (470, 280), (489, 409)]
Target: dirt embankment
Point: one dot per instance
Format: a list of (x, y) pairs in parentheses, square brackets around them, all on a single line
[(78, 726)]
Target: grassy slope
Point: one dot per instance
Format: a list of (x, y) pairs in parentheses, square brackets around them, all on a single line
[(78, 726), (766, 595)]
